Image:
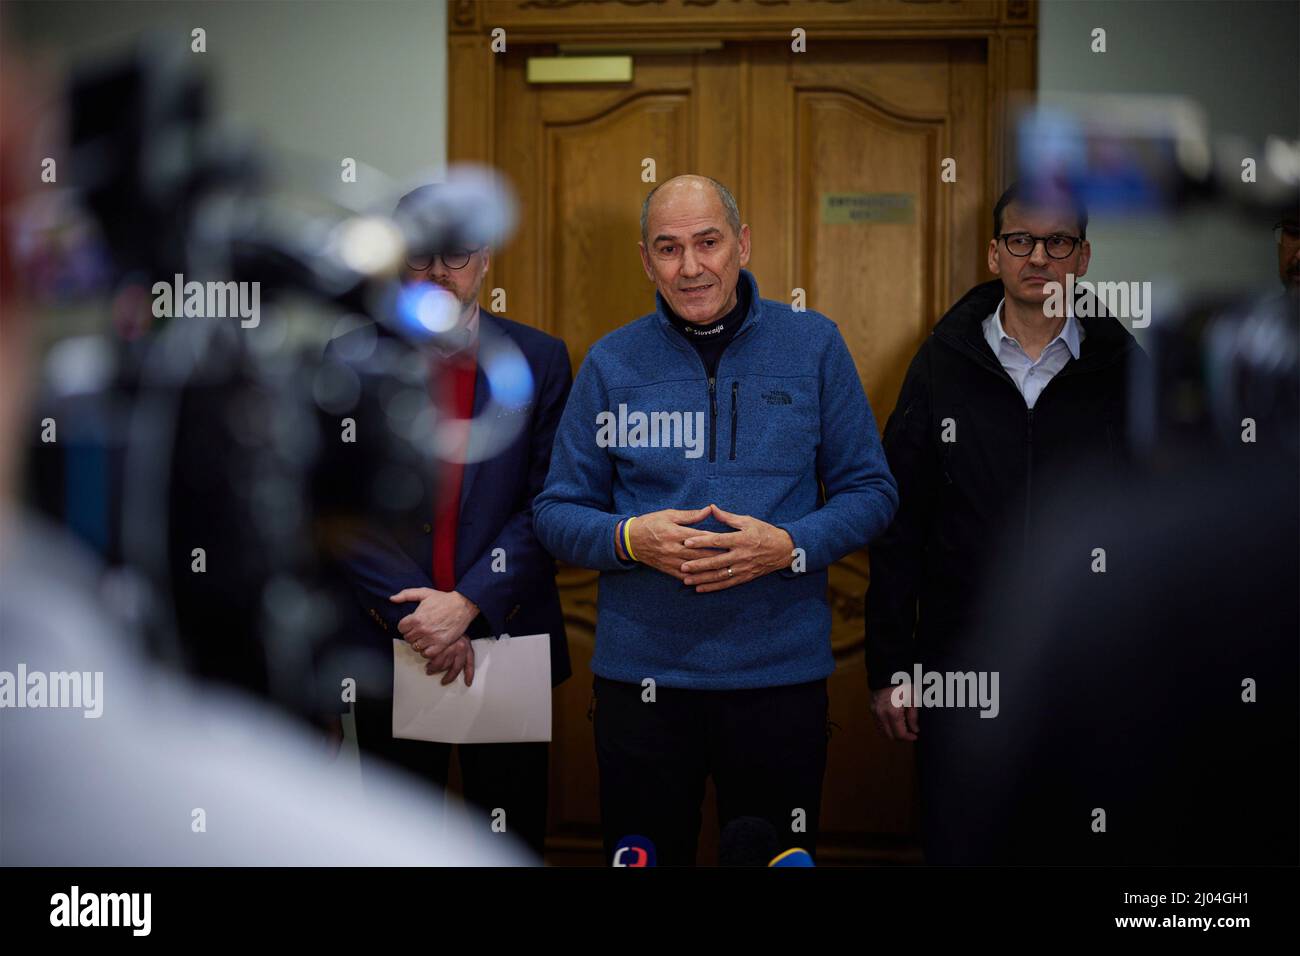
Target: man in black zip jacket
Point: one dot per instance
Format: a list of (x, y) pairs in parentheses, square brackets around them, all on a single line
[(1016, 390)]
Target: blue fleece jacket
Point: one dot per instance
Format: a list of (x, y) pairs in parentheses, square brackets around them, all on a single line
[(785, 413)]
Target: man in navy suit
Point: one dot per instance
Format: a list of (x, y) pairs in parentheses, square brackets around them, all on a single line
[(467, 564)]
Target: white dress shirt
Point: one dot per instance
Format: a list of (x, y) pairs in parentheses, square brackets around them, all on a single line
[(1030, 376)]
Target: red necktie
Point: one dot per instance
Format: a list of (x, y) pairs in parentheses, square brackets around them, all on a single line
[(454, 377)]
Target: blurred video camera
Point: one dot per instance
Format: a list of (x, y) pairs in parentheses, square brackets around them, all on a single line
[(1217, 358), (193, 432)]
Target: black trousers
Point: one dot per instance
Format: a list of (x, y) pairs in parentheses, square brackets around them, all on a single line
[(765, 749), (509, 777)]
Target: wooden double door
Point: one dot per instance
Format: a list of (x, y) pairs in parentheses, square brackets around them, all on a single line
[(837, 157)]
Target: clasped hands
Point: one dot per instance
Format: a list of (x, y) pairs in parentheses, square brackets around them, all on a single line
[(708, 560), (436, 628)]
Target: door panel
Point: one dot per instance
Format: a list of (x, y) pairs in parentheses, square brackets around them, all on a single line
[(589, 218)]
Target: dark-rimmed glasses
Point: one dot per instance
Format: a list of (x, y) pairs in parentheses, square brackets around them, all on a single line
[(1022, 244), (454, 259)]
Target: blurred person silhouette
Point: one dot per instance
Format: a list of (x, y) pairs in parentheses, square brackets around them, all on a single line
[(1149, 710), (147, 767), (1286, 232), (464, 561)]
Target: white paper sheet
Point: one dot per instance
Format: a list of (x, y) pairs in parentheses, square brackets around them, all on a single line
[(510, 700)]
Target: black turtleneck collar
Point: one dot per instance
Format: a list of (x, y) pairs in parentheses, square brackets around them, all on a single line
[(723, 328), (710, 340)]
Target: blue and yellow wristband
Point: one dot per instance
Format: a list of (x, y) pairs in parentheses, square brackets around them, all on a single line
[(624, 534)]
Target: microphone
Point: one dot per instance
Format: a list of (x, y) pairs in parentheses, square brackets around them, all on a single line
[(635, 851), (747, 841), (793, 857)]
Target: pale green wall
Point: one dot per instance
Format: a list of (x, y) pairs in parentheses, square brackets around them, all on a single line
[(324, 78)]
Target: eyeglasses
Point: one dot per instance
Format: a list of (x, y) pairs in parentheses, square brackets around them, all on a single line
[(1291, 233), (454, 259), (1022, 244)]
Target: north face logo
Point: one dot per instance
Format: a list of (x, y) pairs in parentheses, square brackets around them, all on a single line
[(777, 397)]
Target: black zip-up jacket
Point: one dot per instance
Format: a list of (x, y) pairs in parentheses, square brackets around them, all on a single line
[(967, 503)]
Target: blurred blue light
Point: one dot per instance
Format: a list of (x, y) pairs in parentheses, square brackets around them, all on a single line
[(510, 378), (425, 310)]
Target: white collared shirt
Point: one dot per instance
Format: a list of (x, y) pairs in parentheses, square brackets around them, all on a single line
[(1030, 376)]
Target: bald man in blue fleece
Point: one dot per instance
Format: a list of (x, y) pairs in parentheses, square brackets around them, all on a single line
[(714, 459)]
